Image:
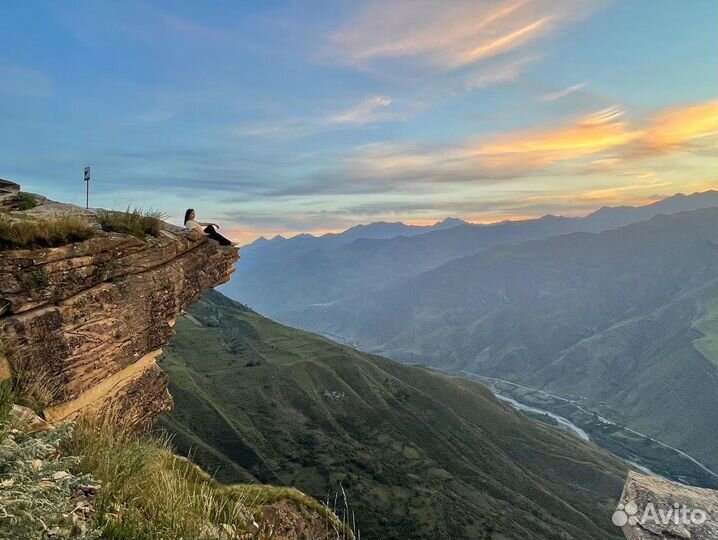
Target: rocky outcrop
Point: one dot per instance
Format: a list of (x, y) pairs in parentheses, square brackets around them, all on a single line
[(653, 508), (90, 318)]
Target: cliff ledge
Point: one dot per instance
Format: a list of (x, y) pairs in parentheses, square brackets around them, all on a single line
[(91, 317)]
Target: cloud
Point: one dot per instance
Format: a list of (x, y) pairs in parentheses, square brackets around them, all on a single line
[(500, 73), (589, 135), (365, 112), (682, 128), (601, 142), (498, 158), (370, 110), (447, 36), (560, 94)]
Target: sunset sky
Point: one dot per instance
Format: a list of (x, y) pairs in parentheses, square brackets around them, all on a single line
[(283, 117)]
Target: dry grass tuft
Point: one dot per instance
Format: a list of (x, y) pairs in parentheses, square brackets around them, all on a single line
[(137, 222), (36, 233), (34, 387), (150, 493)]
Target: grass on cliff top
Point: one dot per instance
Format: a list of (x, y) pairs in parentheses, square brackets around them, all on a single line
[(149, 493), (24, 201), (38, 233), (137, 222), (21, 201)]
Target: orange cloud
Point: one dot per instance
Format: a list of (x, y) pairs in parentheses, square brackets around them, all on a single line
[(602, 133), (600, 143), (681, 126), (448, 35), (592, 134)]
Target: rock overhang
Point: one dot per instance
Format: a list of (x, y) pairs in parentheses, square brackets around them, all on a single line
[(93, 316)]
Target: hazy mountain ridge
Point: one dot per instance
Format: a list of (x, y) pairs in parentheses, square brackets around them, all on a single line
[(378, 230), (289, 275), (612, 316), (421, 455)]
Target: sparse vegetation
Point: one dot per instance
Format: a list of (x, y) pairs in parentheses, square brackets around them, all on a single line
[(97, 478), (39, 497), (6, 401), (24, 201), (151, 494), (34, 387), (137, 222), (107, 267), (441, 451), (36, 233), (35, 278)]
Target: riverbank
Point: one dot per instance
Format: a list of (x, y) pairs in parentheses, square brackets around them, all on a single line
[(642, 451)]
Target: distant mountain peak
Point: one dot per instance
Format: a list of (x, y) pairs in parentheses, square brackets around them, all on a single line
[(451, 221)]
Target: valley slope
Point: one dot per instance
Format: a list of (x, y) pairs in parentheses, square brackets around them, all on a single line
[(421, 455), (622, 321)]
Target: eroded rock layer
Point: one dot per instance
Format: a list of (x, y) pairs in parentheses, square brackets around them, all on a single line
[(653, 508), (91, 317)]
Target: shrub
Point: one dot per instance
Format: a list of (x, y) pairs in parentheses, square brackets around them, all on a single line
[(137, 222), (49, 232), (24, 201)]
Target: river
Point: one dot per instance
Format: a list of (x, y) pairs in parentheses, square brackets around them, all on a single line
[(560, 419)]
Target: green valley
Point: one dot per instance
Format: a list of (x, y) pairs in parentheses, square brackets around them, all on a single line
[(420, 455), (623, 320)]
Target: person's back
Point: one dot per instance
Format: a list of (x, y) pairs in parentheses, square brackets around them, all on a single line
[(205, 228), (193, 225)]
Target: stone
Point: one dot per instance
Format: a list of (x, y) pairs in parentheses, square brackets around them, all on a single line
[(26, 419), (653, 508), (97, 320)]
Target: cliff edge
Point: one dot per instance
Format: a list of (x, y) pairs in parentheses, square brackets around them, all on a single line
[(653, 508), (92, 316)]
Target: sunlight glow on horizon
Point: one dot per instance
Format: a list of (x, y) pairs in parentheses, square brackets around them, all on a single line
[(271, 119)]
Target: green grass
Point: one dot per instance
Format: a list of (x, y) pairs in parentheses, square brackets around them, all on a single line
[(420, 455), (149, 493), (146, 491), (24, 201), (7, 398), (137, 222), (38, 233)]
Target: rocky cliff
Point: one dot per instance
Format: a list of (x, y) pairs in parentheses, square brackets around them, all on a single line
[(90, 318), (653, 508)]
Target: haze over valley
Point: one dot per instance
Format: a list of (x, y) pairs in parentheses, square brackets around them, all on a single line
[(615, 311)]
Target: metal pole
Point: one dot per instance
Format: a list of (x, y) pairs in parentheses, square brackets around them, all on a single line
[(86, 176)]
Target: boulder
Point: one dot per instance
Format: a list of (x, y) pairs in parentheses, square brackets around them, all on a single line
[(653, 508)]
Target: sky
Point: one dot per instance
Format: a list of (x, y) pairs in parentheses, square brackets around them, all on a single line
[(280, 117)]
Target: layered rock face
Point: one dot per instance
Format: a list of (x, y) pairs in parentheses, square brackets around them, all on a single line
[(653, 508), (90, 318)]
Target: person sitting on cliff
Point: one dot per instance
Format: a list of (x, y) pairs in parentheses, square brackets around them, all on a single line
[(209, 229)]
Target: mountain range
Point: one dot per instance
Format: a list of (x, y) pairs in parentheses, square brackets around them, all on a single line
[(419, 454), (618, 309), (281, 277)]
